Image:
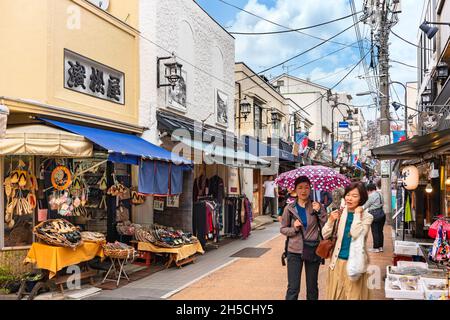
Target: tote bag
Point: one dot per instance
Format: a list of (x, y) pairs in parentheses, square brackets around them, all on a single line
[(357, 259)]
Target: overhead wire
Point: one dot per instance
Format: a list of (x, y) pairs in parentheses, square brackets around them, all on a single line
[(300, 54), (277, 24), (409, 42), (292, 30)]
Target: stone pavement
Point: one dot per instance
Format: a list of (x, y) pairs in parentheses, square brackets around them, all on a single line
[(264, 278), (164, 284)]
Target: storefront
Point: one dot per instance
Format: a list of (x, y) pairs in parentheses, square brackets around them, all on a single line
[(216, 182)]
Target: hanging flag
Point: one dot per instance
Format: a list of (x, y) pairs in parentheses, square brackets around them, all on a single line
[(399, 135), (337, 149), (301, 139)]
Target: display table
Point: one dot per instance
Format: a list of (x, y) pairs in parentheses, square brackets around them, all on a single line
[(179, 256), (54, 258)]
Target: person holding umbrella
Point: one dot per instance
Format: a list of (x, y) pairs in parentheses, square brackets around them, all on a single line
[(301, 223)]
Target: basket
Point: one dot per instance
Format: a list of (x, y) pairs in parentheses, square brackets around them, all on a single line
[(57, 240), (119, 253)]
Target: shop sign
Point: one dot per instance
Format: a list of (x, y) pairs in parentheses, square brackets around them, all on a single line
[(173, 201), (343, 124), (92, 78), (233, 181), (158, 204), (385, 168)]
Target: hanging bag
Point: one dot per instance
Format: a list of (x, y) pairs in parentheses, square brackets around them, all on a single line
[(42, 213), (377, 214), (326, 246), (357, 259)]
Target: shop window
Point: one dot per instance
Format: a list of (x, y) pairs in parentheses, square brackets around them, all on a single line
[(84, 203)]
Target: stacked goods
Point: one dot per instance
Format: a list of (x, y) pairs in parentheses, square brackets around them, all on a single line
[(170, 238), (127, 228), (119, 250), (93, 237), (58, 232)]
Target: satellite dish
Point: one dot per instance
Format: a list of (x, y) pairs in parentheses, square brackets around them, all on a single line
[(102, 4)]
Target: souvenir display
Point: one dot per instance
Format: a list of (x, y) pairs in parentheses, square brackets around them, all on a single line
[(93, 237), (137, 198), (119, 250), (127, 228), (61, 178), (165, 236), (440, 252), (58, 232)]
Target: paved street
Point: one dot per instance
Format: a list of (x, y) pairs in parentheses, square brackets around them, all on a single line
[(165, 283), (264, 278)]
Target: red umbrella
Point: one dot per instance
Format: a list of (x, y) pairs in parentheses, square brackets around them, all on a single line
[(322, 178), (432, 232)]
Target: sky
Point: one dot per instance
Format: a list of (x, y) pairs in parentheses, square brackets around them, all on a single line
[(263, 51)]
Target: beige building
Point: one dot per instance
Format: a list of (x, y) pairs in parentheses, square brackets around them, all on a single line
[(263, 117), (74, 62)]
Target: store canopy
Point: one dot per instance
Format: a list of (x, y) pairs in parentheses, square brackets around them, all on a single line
[(42, 140), (261, 149), (219, 154), (123, 148), (416, 147)]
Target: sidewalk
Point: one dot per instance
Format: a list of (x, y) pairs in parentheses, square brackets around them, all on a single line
[(264, 278), (164, 284)]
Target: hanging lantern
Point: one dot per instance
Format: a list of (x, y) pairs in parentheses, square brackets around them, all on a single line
[(429, 188), (410, 177), (4, 112)]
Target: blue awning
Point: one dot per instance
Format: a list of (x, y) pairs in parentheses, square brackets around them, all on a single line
[(261, 149), (122, 148)]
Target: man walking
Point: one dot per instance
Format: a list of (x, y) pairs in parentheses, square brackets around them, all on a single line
[(270, 196)]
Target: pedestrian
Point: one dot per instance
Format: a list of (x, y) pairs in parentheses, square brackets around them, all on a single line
[(326, 198), (375, 207), (270, 196), (338, 197), (289, 197), (301, 223), (352, 222)]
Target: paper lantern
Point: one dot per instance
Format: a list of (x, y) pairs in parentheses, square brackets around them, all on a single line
[(410, 177)]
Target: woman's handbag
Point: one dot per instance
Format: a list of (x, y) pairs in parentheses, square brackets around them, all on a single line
[(377, 214), (357, 259), (326, 246)]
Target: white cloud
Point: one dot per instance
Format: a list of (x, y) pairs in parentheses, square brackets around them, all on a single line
[(261, 52)]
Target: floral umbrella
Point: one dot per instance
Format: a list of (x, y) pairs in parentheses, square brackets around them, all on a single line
[(322, 178)]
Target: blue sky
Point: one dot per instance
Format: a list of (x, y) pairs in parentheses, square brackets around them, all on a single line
[(260, 52)]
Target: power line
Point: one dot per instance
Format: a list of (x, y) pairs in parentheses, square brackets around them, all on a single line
[(277, 24), (293, 30), (407, 65), (301, 53), (338, 83), (408, 42)]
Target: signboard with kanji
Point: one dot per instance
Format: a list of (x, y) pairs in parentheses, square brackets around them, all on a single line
[(87, 76)]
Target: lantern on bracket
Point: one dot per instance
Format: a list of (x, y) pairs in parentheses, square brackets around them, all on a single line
[(172, 71)]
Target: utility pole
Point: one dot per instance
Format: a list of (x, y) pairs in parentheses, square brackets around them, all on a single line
[(384, 27)]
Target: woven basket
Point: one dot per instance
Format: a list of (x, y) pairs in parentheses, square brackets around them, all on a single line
[(62, 243), (119, 253)]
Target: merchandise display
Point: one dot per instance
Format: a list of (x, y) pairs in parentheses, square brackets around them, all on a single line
[(164, 236), (58, 232), (119, 250), (96, 237)]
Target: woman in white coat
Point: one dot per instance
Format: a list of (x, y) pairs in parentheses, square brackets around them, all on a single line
[(353, 221)]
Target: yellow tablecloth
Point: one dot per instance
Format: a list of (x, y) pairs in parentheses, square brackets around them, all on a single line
[(54, 258), (181, 253)]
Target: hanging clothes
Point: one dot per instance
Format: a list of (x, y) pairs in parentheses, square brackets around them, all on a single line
[(200, 187), (199, 225), (216, 188), (247, 225)]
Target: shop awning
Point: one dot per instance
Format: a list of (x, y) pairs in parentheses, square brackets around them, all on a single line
[(42, 140), (416, 147), (123, 148), (261, 149), (223, 155)]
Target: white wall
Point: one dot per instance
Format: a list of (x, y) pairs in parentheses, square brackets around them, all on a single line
[(206, 52)]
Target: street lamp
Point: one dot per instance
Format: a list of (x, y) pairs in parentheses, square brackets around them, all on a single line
[(431, 31), (172, 72), (244, 109)]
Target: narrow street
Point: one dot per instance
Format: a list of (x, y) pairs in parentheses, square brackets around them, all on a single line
[(264, 278)]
